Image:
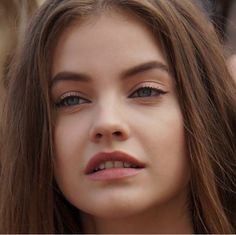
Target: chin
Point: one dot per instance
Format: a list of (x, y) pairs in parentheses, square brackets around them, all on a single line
[(113, 212), (115, 209)]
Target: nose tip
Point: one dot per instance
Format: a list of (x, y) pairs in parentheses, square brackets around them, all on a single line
[(110, 123)]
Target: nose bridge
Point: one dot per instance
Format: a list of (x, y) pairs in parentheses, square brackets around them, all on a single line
[(108, 121), (108, 111)]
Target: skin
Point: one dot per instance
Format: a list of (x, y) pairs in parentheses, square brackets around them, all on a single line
[(232, 66), (150, 127)]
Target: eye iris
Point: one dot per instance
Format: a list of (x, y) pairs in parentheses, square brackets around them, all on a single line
[(145, 92), (71, 101)]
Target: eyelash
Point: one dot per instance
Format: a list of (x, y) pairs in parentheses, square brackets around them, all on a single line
[(150, 90), (70, 99), (73, 98)]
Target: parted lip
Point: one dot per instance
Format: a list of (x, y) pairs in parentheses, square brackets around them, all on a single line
[(102, 157)]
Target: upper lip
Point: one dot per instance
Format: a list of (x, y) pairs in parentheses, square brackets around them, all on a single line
[(102, 157)]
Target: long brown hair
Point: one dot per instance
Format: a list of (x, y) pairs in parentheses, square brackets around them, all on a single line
[(14, 16), (30, 201)]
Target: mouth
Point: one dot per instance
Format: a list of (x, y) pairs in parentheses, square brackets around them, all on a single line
[(113, 165)]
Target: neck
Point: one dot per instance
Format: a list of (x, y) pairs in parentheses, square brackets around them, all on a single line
[(169, 218)]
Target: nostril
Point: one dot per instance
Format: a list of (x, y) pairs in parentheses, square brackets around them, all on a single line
[(109, 134), (98, 135), (117, 133)]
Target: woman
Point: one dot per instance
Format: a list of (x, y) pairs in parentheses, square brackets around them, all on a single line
[(120, 118)]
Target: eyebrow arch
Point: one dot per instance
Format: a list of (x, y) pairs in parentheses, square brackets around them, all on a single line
[(143, 68)]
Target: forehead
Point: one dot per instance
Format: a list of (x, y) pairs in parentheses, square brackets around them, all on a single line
[(110, 36)]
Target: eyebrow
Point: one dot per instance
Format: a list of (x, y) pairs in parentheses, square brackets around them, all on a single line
[(143, 68), (69, 76), (74, 76)]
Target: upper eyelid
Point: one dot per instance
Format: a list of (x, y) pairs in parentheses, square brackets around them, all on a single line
[(70, 94), (148, 84)]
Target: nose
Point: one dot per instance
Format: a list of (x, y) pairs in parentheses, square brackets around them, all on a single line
[(109, 125)]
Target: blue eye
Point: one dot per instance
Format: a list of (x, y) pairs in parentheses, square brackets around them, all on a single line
[(71, 101), (147, 92)]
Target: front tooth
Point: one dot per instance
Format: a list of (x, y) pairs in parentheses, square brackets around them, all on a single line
[(118, 164), (101, 166), (109, 164), (127, 165)]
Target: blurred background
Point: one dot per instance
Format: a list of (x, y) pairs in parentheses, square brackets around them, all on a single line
[(15, 16), (222, 13)]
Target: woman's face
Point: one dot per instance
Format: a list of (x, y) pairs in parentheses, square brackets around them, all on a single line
[(119, 136)]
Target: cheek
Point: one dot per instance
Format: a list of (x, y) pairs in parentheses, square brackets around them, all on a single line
[(164, 141), (69, 137), (69, 142)]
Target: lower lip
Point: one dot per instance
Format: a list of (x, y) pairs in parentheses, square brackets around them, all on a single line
[(114, 173)]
